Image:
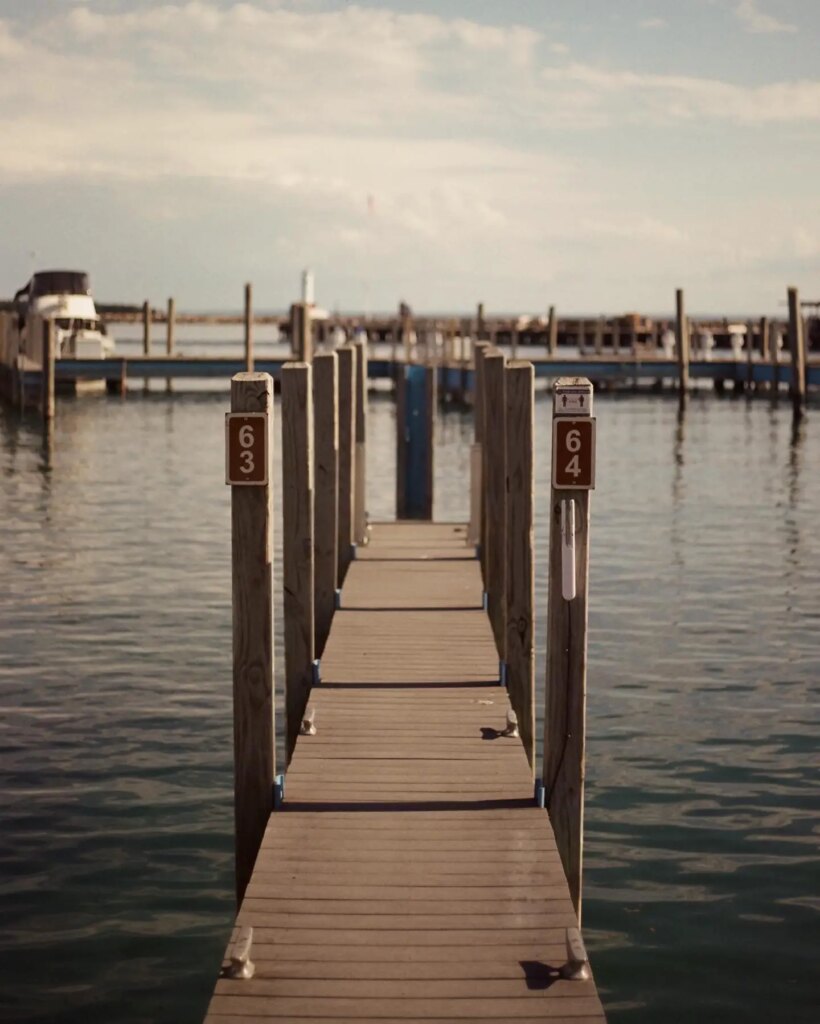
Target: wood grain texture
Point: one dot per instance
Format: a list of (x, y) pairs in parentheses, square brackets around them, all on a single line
[(479, 351), (565, 703), (520, 598), (297, 542), (326, 493), (252, 590), (347, 455), (360, 488), (495, 490), (248, 324), (408, 875)]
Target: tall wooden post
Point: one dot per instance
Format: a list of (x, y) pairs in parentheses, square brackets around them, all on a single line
[(253, 713), (360, 491), (297, 542), (301, 332), (480, 326), (520, 598), (552, 332), (599, 336), (326, 492), (170, 324), (495, 491), (477, 479), (49, 355), (146, 328), (347, 456), (565, 705), (415, 426), (797, 347), (249, 327), (476, 457), (682, 342)]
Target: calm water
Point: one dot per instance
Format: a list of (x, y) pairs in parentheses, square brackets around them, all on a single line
[(115, 733)]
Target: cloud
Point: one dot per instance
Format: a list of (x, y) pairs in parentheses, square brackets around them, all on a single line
[(754, 20), (670, 98), (652, 23)]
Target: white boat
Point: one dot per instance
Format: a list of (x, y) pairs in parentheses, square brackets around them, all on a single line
[(64, 296)]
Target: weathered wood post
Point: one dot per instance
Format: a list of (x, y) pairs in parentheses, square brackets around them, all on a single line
[(599, 336), (573, 476), (480, 326), (249, 327), (360, 489), (301, 332), (520, 597), (249, 447), (415, 428), (297, 542), (514, 341), (479, 351), (49, 356), (170, 324), (326, 492), (347, 456), (495, 491), (797, 347), (552, 331), (146, 328), (682, 342), (475, 529)]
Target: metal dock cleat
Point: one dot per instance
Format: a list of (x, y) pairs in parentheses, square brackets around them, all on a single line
[(577, 966), (239, 953)]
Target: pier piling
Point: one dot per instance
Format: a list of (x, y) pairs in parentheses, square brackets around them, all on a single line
[(520, 597), (347, 455), (682, 342), (495, 490), (248, 322), (326, 492), (47, 404), (360, 491), (415, 419), (797, 348), (297, 542), (252, 598)]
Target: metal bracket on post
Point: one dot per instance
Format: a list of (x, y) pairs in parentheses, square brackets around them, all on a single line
[(577, 966), (308, 726), (239, 954), (317, 677), (502, 673), (353, 550), (278, 791), (338, 601), (484, 600), (540, 794)]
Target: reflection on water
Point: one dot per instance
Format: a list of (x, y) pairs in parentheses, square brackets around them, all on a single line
[(115, 733)]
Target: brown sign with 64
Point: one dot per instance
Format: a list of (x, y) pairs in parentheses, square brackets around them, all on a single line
[(573, 453)]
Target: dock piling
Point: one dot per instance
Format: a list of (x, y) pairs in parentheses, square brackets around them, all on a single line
[(797, 348), (495, 491), (297, 542), (146, 328), (360, 490), (249, 327), (682, 342), (347, 456), (477, 503), (520, 597), (552, 331), (252, 591), (415, 419), (565, 703), (48, 369), (326, 492)]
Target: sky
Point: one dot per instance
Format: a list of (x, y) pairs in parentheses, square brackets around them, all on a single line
[(590, 154)]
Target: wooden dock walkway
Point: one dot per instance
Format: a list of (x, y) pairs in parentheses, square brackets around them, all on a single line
[(408, 875)]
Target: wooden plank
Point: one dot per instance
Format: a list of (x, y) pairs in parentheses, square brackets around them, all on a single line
[(252, 566), (326, 497), (297, 542), (520, 595)]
